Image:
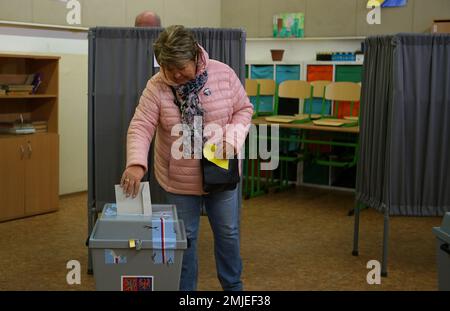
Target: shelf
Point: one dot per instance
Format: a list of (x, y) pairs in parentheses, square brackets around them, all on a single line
[(27, 56), (28, 96), (9, 135), (306, 39), (43, 26), (316, 62), (269, 62), (313, 62)]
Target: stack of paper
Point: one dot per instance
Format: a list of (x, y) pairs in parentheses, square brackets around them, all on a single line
[(139, 205)]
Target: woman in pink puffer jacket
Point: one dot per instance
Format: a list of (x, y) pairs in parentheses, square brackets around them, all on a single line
[(209, 91)]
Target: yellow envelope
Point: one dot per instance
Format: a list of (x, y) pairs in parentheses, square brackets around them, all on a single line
[(374, 3), (132, 243), (209, 153)]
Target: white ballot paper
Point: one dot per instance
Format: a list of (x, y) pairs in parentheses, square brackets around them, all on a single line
[(140, 205)]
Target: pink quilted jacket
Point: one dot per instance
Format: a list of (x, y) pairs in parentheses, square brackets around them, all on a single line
[(226, 103)]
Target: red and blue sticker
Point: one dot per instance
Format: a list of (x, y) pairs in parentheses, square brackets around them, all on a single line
[(132, 283), (111, 258)]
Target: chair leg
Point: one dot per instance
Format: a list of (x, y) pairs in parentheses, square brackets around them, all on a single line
[(280, 178), (247, 177), (286, 175), (252, 179)]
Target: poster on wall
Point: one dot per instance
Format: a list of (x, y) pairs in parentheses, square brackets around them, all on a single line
[(386, 3), (287, 25)]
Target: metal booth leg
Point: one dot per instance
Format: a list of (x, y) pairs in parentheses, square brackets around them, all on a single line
[(357, 210), (385, 243)]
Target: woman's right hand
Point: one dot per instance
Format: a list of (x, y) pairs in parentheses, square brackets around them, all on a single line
[(131, 180)]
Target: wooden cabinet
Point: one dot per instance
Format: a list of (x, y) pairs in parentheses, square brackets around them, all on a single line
[(12, 179), (41, 173), (29, 164), (29, 183)]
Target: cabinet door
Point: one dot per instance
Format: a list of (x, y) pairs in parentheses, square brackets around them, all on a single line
[(315, 73), (287, 72), (41, 173), (348, 73), (12, 179)]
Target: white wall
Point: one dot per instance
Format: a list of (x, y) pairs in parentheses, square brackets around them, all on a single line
[(191, 13), (73, 125)]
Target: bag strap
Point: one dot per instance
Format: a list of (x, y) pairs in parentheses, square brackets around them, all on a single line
[(175, 101)]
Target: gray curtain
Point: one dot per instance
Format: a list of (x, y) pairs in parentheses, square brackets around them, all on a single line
[(405, 131), (376, 97), (120, 63)]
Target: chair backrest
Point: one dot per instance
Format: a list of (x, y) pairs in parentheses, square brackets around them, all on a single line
[(251, 87), (319, 87), (294, 89), (266, 87), (343, 91)]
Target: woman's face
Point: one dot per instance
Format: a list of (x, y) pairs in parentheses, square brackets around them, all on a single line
[(180, 75)]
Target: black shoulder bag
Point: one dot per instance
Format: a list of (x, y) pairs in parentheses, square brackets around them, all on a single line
[(215, 178)]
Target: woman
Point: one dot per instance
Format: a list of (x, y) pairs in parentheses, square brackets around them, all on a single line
[(210, 91)]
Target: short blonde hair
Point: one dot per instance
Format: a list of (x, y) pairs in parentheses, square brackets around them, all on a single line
[(175, 46)]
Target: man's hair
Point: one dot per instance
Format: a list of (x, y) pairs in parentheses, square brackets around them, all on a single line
[(147, 19), (175, 46)]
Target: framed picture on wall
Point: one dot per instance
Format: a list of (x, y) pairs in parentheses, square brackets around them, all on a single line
[(386, 3)]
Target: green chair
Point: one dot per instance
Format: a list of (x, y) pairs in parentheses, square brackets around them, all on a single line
[(267, 87), (342, 91), (252, 181), (318, 91), (293, 89), (252, 90)]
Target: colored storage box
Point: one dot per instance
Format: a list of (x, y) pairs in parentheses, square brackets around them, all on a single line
[(287, 72)]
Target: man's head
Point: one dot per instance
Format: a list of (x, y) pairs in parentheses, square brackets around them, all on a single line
[(147, 19), (177, 51)]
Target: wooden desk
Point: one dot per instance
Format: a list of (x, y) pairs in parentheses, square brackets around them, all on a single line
[(309, 126)]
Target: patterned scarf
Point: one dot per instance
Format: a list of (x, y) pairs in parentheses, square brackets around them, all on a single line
[(190, 108)]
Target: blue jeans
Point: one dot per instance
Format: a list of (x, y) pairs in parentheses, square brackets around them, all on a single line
[(223, 214)]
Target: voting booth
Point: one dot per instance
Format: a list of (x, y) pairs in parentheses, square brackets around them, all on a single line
[(114, 92)]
